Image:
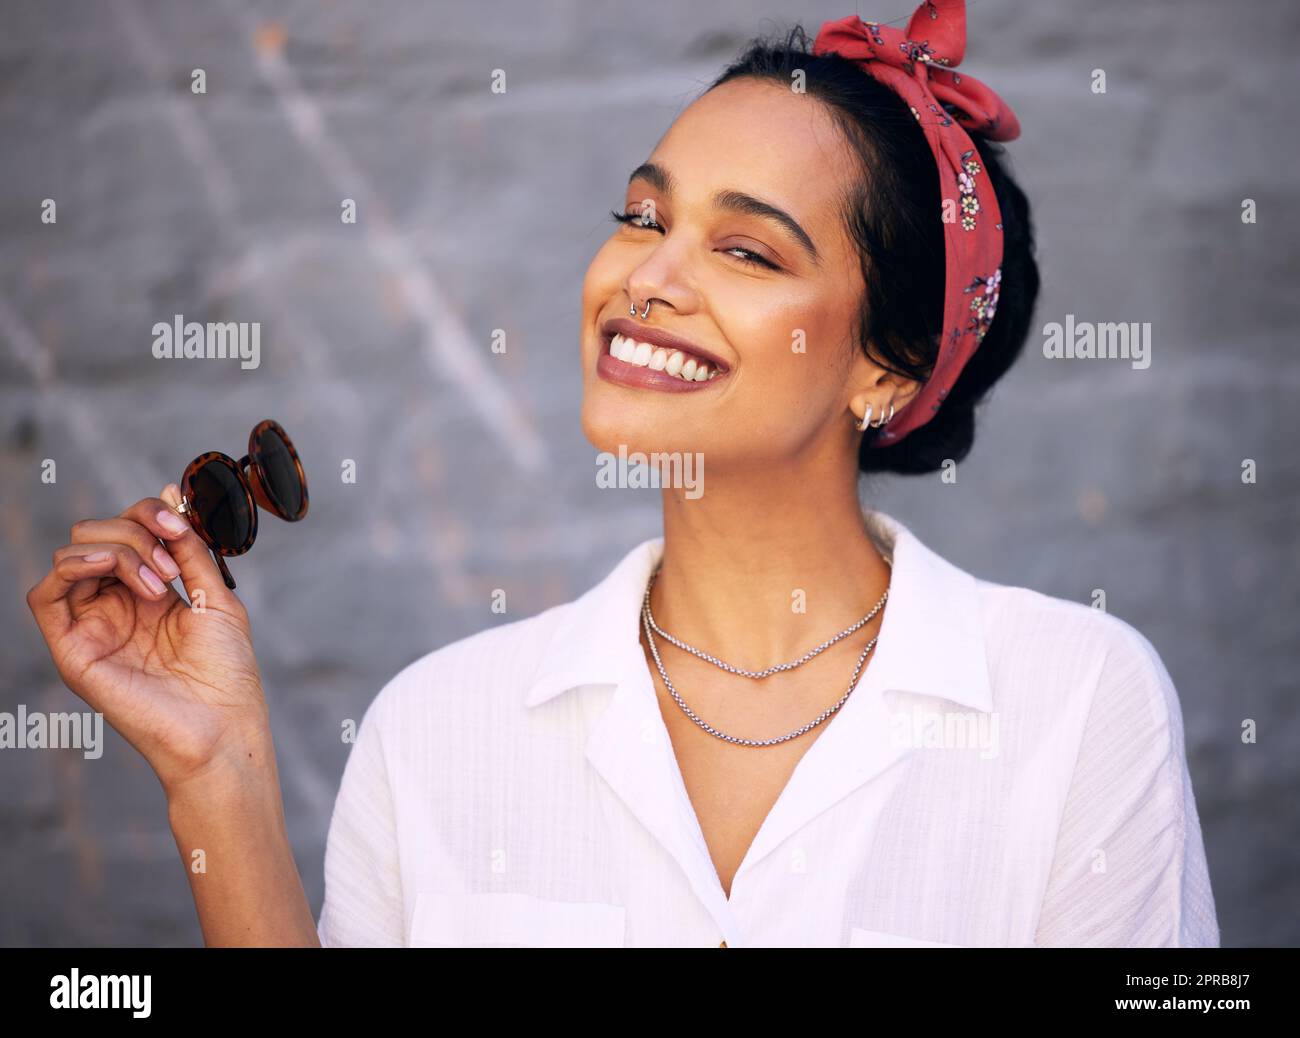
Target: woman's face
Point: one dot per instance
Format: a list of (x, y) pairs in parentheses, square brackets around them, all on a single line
[(747, 259)]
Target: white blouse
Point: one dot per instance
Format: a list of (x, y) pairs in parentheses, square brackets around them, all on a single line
[(1008, 771)]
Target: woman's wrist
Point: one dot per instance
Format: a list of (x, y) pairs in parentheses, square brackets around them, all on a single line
[(242, 770), (229, 826)]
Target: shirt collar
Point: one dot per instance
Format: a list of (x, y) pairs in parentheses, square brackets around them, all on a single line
[(931, 637)]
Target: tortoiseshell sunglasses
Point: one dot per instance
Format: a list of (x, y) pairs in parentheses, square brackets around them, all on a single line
[(220, 501)]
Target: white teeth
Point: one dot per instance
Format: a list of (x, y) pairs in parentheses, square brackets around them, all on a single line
[(673, 362)]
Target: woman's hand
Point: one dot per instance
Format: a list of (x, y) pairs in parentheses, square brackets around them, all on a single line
[(179, 683)]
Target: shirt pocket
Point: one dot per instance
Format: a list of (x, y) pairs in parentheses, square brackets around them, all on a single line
[(513, 920), (863, 938)]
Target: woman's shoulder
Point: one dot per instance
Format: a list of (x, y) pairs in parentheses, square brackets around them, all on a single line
[(1012, 606), (1021, 613), (491, 659), (484, 676), (1034, 644), (1076, 649)]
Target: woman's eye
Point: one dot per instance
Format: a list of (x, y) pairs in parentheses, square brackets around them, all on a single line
[(635, 219), (746, 256), (753, 258)]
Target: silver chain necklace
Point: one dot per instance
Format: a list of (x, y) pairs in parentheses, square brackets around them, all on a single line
[(777, 668), (647, 621)]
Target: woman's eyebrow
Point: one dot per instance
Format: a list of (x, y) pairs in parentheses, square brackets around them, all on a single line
[(733, 201), (739, 202)]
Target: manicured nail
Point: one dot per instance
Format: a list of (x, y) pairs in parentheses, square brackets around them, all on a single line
[(171, 521), (97, 556), (151, 579), (166, 563)]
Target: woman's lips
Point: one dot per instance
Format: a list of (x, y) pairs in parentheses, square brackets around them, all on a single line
[(644, 366)]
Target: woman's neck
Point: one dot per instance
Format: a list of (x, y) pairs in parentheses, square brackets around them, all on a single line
[(742, 558)]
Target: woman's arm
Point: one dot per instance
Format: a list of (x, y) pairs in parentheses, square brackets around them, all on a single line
[(229, 828), (179, 681), (364, 903), (1130, 867)]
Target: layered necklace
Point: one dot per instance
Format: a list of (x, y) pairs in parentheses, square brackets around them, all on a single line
[(652, 628)]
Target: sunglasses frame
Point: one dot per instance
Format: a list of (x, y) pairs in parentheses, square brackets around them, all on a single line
[(253, 485)]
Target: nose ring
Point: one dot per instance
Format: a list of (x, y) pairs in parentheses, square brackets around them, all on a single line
[(632, 309)]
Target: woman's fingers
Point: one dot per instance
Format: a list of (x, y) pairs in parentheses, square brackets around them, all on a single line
[(158, 515), (84, 590), (129, 532), (127, 566), (127, 547), (49, 598)]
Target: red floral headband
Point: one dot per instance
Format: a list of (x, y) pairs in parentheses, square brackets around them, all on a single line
[(917, 64)]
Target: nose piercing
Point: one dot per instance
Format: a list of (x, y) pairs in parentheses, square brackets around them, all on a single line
[(632, 309)]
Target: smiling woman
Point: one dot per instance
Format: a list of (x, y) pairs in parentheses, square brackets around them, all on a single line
[(855, 173), (819, 270), (713, 746)]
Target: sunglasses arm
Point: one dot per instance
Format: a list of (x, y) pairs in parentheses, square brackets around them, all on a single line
[(225, 572), (188, 513)]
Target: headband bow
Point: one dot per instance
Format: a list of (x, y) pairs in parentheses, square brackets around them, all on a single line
[(917, 64)]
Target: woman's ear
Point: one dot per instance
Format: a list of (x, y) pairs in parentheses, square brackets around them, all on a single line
[(874, 386)]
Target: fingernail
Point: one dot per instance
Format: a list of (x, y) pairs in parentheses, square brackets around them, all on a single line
[(166, 563), (171, 521), (151, 579), (97, 556)]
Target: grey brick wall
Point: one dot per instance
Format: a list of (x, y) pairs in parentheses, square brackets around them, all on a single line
[(481, 211)]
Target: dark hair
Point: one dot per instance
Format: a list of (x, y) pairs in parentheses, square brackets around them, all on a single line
[(893, 214)]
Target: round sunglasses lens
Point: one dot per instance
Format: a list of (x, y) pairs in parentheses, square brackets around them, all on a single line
[(221, 504), (279, 473)]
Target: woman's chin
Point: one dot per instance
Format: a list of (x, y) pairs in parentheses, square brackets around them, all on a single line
[(612, 430), (612, 433)]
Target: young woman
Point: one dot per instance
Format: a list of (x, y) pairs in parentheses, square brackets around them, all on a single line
[(785, 722)]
